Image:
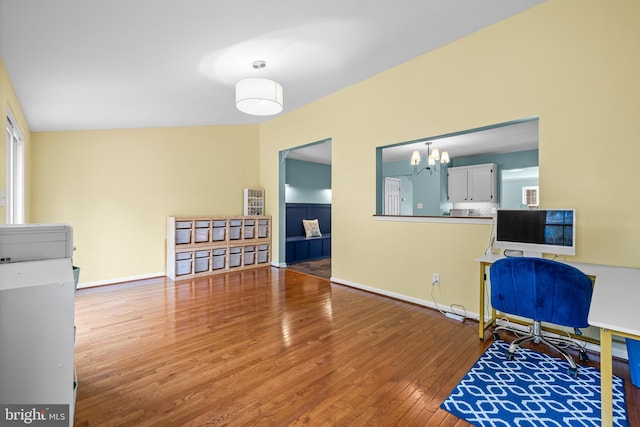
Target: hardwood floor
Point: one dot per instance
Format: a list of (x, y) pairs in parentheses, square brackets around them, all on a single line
[(317, 267), (268, 347)]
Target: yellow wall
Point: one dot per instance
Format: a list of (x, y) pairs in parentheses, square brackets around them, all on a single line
[(573, 63), (117, 187), (9, 100)]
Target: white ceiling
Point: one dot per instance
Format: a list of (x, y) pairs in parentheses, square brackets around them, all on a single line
[(316, 153), (499, 139), (78, 64)]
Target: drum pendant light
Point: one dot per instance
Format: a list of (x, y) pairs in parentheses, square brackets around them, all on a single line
[(259, 96)]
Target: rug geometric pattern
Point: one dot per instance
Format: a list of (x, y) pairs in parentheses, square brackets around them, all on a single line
[(532, 390)]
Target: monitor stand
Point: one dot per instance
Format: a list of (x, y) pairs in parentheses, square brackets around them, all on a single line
[(532, 254)]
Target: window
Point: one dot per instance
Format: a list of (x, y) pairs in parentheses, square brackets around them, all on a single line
[(15, 172), (512, 146), (530, 196)]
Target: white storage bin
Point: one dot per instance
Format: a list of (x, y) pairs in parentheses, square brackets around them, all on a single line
[(201, 265), (218, 262), (183, 236), (235, 257), (202, 261), (201, 235), (234, 233), (183, 255), (219, 223), (249, 231), (263, 254), (235, 260), (202, 254), (183, 267), (202, 224), (183, 224), (235, 223), (249, 255), (219, 233)]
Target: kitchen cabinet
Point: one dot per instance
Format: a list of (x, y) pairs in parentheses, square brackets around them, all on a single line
[(475, 183)]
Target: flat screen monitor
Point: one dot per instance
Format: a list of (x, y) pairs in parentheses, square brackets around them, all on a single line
[(534, 232)]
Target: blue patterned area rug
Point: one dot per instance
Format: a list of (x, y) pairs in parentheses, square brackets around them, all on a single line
[(532, 390)]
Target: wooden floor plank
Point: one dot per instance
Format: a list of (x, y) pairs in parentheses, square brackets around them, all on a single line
[(267, 347)]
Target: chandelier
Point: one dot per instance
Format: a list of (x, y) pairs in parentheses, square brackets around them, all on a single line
[(433, 159)]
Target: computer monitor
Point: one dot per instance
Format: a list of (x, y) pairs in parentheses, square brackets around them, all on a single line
[(534, 232)]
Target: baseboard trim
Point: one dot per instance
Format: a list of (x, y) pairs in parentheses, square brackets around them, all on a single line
[(401, 297), (82, 285)]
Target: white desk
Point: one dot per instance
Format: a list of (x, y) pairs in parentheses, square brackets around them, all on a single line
[(614, 309)]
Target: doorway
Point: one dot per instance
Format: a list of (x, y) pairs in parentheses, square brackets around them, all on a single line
[(305, 194)]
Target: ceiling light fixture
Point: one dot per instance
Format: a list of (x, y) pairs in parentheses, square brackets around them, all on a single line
[(433, 158), (259, 96)]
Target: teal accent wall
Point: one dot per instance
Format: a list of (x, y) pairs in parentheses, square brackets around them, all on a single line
[(426, 188), (301, 174), (379, 182), (519, 159), (511, 195)]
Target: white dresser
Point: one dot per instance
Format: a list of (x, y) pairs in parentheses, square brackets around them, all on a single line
[(37, 337)]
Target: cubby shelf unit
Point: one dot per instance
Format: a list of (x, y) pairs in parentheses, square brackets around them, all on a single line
[(200, 246)]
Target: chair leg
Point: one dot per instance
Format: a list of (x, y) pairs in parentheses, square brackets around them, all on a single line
[(537, 337), (509, 329), (564, 354), (517, 342)]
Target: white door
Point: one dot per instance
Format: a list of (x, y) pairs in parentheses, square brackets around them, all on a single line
[(392, 191)]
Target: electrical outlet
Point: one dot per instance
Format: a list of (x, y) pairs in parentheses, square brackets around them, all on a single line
[(435, 279)]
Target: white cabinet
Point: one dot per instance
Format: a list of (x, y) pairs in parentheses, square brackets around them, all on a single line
[(37, 336), (475, 183), (457, 191)]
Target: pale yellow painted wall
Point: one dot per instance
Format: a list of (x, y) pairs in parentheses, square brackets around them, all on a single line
[(117, 187), (573, 63), (9, 100)]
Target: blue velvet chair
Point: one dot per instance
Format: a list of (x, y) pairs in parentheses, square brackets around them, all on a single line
[(544, 291)]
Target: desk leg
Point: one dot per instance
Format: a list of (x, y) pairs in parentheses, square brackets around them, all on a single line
[(606, 378), (481, 310)]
